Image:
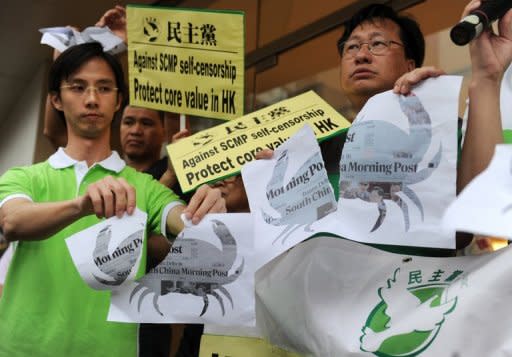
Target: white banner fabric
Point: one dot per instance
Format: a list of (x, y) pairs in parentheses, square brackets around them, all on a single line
[(334, 297)]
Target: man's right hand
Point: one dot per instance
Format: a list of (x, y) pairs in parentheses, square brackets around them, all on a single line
[(115, 20), (108, 197)]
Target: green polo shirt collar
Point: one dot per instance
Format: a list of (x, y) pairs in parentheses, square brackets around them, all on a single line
[(61, 160)]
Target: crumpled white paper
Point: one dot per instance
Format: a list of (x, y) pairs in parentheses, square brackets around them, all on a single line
[(288, 194), (397, 174), (108, 254), (485, 204), (61, 38)]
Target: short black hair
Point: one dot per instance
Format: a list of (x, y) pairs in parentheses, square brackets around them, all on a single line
[(410, 32), (161, 113), (74, 57)]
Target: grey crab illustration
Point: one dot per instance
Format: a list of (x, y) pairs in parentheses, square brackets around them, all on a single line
[(378, 154), (121, 261), (193, 267), (281, 196)]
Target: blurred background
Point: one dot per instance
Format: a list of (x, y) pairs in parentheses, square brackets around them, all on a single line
[(290, 48)]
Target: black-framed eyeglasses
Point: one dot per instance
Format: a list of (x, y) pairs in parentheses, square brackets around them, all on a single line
[(377, 47), (80, 90)]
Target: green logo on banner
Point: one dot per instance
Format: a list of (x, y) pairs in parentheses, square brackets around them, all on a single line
[(410, 314)]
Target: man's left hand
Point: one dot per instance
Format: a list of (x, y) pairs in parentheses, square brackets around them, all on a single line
[(406, 82), (205, 200)]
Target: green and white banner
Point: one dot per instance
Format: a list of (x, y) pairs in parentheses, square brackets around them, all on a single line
[(334, 297)]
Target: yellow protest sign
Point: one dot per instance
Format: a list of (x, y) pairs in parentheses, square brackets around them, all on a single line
[(222, 150), (186, 61), (224, 346)]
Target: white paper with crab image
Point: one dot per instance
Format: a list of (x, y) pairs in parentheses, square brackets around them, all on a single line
[(485, 205), (398, 167), (107, 255), (288, 194), (208, 277)]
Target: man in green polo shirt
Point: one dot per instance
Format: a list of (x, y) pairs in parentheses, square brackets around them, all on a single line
[(46, 309)]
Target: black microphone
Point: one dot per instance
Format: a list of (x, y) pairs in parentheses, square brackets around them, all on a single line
[(479, 19)]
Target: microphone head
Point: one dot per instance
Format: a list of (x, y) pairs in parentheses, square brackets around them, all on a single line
[(462, 33)]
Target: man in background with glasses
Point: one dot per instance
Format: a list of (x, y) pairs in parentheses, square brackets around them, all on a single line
[(376, 48), (380, 50)]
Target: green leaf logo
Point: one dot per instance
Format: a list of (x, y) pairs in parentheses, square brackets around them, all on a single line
[(407, 319)]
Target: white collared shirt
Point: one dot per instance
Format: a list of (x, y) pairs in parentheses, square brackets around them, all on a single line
[(61, 160)]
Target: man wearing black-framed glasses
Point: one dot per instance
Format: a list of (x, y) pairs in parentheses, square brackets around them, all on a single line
[(380, 50), (376, 48)]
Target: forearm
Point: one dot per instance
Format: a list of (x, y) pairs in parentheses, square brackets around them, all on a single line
[(168, 179), (25, 220), (484, 129), (174, 223), (158, 248)]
